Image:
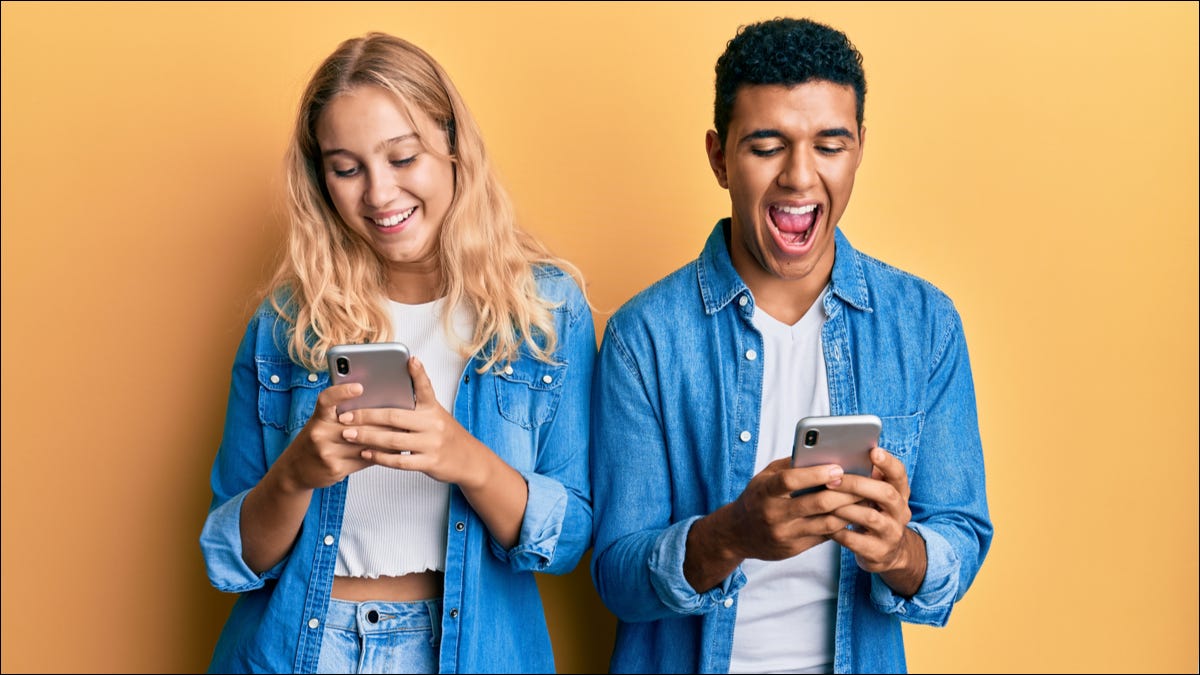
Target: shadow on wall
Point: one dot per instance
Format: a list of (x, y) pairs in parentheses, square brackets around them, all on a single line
[(581, 627)]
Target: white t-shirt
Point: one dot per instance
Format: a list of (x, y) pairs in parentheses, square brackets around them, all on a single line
[(786, 610), (395, 521)]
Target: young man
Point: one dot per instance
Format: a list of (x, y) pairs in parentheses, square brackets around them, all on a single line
[(707, 560)]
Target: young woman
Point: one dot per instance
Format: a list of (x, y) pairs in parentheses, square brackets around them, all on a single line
[(393, 540)]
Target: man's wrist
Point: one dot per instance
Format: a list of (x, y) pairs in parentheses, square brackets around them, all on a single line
[(710, 555), (906, 579)]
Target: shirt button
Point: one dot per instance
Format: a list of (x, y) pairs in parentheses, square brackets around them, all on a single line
[(742, 301), (329, 540), (460, 526), (745, 436), (274, 379), (466, 379), (728, 603), (312, 377), (313, 623), (547, 379), (454, 614), (751, 354), (508, 370)]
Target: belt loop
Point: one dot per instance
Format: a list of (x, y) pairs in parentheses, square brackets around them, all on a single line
[(434, 607)]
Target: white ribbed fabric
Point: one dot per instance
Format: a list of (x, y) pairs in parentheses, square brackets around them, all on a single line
[(785, 615), (395, 521)]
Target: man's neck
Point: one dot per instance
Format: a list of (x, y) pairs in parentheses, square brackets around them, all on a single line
[(785, 300)]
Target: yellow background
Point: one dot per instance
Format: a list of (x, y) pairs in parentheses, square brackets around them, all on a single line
[(1038, 161)]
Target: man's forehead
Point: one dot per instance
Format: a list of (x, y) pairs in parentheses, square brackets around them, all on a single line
[(814, 103)]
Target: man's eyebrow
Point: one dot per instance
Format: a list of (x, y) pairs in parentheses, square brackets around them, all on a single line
[(760, 133), (381, 146), (835, 132)]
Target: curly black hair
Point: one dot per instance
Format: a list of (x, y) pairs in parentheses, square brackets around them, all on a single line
[(787, 52)]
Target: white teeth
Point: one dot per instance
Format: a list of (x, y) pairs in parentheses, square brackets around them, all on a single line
[(797, 210), (394, 220)]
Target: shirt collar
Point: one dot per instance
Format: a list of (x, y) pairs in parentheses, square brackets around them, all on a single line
[(720, 283)]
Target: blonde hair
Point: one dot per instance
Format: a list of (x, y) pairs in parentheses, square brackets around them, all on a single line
[(331, 284)]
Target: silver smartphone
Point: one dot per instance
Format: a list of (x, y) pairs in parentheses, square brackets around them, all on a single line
[(845, 440), (381, 368)]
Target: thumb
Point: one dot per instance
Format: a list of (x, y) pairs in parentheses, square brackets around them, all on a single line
[(422, 385), (779, 464)]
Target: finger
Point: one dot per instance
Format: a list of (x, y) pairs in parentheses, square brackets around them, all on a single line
[(391, 460), (824, 502), (870, 550), (826, 525), (771, 481), (865, 518), (862, 545), (334, 396), (422, 386), (387, 419), (809, 479), (869, 490), (892, 470), (780, 464), (385, 440)]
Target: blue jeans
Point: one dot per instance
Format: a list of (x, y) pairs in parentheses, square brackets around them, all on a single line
[(381, 637)]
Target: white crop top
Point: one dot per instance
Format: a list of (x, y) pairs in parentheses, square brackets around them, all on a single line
[(395, 521)]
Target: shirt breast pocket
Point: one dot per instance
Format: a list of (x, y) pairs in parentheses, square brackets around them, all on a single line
[(528, 391), (901, 435), (287, 395)]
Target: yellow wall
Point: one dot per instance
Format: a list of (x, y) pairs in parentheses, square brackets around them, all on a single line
[(1038, 161)]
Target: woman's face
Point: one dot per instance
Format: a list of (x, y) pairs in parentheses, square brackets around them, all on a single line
[(384, 183)]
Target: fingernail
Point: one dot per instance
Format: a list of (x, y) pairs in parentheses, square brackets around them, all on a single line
[(350, 434), (835, 473), (346, 418)]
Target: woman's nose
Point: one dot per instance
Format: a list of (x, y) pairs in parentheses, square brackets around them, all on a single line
[(381, 189)]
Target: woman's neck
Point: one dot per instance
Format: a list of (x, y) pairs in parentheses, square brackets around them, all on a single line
[(415, 284)]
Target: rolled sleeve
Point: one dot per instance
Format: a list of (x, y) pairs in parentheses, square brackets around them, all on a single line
[(934, 599), (545, 512), (669, 582), (221, 545)]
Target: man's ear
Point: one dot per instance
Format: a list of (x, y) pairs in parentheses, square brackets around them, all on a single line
[(716, 158)]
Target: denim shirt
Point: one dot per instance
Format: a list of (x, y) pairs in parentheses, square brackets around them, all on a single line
[(676, 408), (535, 417)]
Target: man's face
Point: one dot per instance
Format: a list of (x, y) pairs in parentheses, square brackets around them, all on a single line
[(788, 162)]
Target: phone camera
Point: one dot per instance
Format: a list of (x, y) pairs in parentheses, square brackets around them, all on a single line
[(810, 438), (343, 365)]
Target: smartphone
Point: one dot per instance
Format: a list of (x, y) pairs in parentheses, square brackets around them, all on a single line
[(381, 368), (845, 440)]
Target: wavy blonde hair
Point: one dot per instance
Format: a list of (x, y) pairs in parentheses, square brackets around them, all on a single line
[(331, 284)]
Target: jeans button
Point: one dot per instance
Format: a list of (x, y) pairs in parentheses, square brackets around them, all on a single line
[(373, 616)]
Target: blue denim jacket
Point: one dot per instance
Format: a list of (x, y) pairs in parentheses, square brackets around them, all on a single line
[(534, 417), (676, 407)]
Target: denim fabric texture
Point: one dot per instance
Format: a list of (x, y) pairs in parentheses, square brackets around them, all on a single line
[(381, 637), (534, 417), (675, 416)]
